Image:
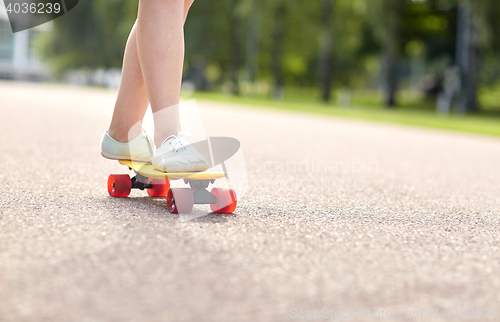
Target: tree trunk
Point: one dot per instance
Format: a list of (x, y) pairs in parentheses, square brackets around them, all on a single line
[(198, 62), (253, 46), (391, 51), (277, 51), (466, 58), (325, 52), (235, 46)]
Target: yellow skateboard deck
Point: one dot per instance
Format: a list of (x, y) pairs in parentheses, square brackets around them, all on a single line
[(146, 169)]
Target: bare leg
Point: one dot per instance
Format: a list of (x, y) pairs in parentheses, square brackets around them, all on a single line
[(132, 101), (160, 44)]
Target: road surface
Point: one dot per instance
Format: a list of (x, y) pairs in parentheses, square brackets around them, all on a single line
[(339, 215)]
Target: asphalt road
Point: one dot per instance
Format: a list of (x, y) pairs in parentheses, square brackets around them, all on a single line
[(339, 215)]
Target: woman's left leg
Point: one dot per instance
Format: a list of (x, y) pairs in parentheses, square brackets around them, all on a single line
[(132, 101)]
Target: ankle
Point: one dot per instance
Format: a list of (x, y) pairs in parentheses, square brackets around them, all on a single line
[(124, 135)]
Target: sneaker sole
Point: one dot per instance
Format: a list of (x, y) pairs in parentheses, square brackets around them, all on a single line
[(192, 168), (116, 158)]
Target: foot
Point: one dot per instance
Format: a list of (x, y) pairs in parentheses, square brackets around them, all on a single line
[(177, 155), (141, 148)]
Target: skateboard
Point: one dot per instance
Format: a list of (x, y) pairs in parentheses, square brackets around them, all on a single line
[(179, 200)]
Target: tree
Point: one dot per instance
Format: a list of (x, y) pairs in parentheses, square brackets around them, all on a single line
[(277, 52), (385, 18), (325, 50), (466, 57), (92, 35), (236, 44), (391, 44)]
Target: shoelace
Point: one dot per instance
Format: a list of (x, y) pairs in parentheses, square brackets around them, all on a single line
[(178, 142)]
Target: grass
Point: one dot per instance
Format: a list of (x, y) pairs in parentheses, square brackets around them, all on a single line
[(366, 107)]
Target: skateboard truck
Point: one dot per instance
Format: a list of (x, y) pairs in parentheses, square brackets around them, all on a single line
[(137, 184), (200, 193), (141, 182)]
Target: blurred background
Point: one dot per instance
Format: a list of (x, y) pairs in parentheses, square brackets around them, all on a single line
[(400, 60)]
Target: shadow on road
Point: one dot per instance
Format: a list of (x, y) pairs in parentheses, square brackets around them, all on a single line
[(158, 206)]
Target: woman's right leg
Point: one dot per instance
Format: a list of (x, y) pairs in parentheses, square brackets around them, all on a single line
[(160, 44)]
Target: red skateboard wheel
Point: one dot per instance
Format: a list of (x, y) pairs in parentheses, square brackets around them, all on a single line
[(160, 187), (180, 200), (226, 200), (119, 185)]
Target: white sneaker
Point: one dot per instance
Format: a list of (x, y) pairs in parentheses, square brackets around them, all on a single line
[(141, 148), (177, 155)]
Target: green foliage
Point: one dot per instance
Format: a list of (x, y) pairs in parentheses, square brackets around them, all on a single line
[(232, 40), (365, 108), (91, 36)]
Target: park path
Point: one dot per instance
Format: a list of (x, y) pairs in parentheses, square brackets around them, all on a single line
[(339, 214)]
